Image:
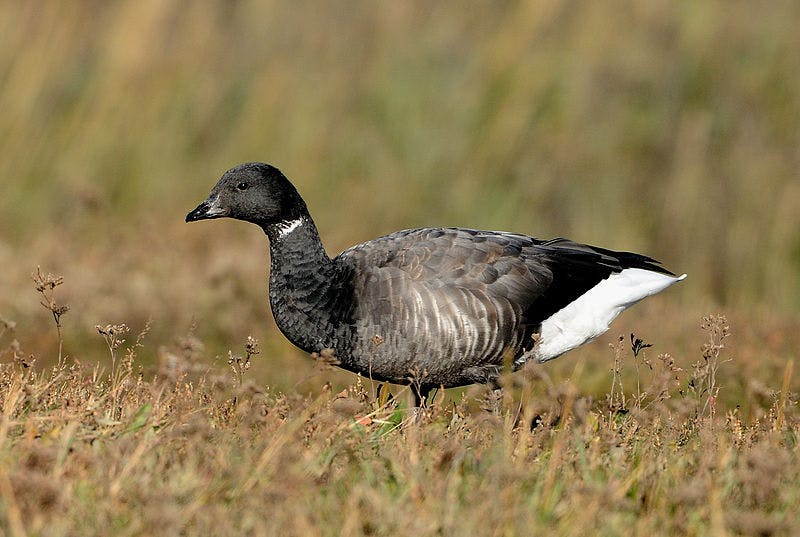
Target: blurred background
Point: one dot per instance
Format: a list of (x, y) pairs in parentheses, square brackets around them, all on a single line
[(667, 128)]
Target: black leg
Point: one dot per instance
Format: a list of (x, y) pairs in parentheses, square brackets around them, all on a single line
[(421, 394)]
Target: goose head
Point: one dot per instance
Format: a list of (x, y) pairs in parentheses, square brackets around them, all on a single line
[(254, 192)]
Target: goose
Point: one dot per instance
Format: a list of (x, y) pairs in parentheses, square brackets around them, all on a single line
[(430, 307)]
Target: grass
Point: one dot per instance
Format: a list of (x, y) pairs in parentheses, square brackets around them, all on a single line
[(194, 449), (668, 128)]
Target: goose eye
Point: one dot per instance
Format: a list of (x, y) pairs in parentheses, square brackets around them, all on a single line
[(242, 186)]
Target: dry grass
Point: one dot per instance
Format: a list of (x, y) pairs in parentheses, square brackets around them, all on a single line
[(196, 450)]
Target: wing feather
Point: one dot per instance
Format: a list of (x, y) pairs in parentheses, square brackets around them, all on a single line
[(454, 299)]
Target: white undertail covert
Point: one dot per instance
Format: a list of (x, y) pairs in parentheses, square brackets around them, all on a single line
[(591, 314)]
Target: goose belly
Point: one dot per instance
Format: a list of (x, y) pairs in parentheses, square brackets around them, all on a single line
[(438, 343)]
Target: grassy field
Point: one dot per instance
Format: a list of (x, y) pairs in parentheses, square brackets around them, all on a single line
[(670, 128)]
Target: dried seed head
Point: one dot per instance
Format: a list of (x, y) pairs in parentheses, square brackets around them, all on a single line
[(113, 333), (326, 357), (251, 347), (45, 281)]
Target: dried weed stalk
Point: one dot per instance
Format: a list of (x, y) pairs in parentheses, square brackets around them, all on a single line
[(238, 364), (703, 378), (45, 285), (616, 395)]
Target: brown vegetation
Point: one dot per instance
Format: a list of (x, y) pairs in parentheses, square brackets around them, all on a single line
[(195, 450)]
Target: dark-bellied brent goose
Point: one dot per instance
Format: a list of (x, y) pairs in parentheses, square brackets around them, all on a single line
[(434, 306)]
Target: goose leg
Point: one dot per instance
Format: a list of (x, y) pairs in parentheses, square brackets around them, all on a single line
[(421, 394)]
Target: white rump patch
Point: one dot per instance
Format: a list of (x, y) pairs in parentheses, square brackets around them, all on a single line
[(591, 314), (285, 228)]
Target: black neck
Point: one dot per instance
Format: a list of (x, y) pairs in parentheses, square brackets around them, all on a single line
[(296, 242), (306, 289)]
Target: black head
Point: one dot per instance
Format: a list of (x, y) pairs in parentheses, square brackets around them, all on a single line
[(254, 192)]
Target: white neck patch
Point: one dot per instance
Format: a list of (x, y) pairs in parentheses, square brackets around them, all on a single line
[(284, 228)]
